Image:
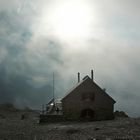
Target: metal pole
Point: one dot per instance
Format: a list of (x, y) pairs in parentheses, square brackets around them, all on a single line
[(78, 77), (92, 75), (53, 91)]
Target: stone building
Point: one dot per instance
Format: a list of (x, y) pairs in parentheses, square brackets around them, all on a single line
[(87, 101)]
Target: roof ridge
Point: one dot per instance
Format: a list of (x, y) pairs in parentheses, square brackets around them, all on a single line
[(81, 82), (76, 85)]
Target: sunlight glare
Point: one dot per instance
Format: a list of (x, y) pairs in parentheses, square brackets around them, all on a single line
[(70, 20)]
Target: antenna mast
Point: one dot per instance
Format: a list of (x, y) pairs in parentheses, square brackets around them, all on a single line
[(53, 90)]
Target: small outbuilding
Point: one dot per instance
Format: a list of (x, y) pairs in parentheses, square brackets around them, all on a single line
[(87, 101)]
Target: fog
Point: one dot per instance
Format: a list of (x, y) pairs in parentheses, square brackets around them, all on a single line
[(30, 52)]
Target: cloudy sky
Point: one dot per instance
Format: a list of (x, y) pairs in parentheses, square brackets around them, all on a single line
[(39, 37)]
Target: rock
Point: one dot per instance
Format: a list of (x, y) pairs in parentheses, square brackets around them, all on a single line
[(96, 128), (72, 131), (120, 114)]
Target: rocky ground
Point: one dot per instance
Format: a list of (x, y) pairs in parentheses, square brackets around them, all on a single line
[(22, 125)]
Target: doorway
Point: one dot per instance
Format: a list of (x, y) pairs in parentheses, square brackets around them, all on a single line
[(87, 114)]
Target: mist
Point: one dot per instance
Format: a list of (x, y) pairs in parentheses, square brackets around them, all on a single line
[(30, 53)]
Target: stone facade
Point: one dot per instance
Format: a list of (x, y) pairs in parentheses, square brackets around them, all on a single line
[(88, 101)]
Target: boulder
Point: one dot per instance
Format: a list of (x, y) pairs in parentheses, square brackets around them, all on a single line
[(120, 114)]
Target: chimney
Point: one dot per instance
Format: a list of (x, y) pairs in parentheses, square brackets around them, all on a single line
[(92, 75), (78, 77)]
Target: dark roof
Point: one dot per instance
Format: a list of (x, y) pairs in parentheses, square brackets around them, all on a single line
[(82, 82)]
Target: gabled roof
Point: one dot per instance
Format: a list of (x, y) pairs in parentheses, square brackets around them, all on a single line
[(82, 82)]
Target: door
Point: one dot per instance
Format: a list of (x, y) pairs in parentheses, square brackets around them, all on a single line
[(87, 113)]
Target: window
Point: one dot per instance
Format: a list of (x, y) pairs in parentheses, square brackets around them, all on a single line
[(88, 96)]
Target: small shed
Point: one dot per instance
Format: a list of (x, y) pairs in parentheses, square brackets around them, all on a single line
[(88, 101)]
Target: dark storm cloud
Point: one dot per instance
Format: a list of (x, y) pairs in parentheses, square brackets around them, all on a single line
[(17, 72)]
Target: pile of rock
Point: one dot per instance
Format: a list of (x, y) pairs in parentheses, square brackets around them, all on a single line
[(120, 114), (8, 107)]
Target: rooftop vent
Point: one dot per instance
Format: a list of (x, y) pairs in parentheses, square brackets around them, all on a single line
[(78, 77), (92, 75)]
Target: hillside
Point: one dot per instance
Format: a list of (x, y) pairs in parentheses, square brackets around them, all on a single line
[(14, 127)]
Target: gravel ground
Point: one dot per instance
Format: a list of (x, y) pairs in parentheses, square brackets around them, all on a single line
[(13, 128)]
